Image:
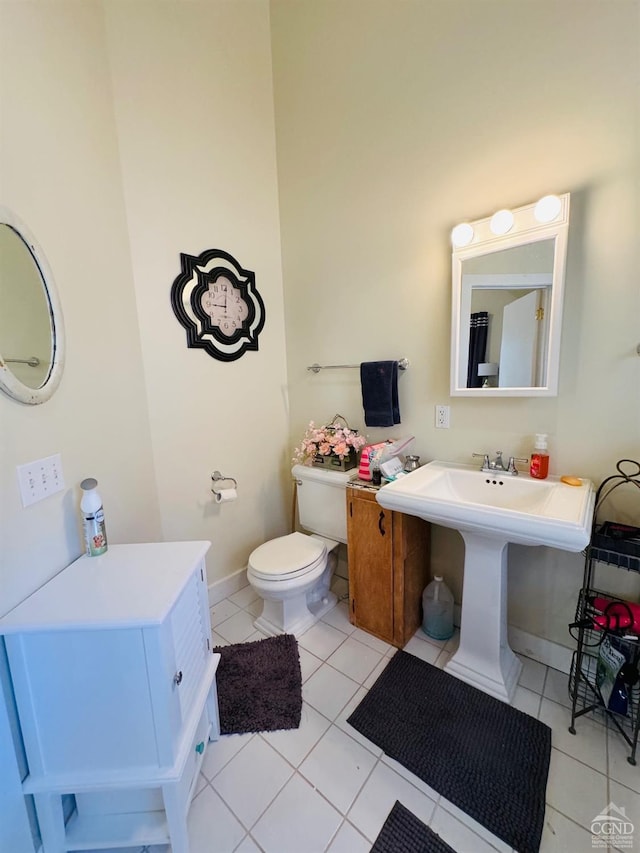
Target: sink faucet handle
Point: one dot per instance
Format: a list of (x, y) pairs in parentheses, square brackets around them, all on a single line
[(512, 464), (485, 459)]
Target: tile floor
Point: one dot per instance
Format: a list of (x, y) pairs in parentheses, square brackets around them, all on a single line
[(323, 787)]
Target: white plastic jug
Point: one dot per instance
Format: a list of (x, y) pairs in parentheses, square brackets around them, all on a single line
[(437, 610)]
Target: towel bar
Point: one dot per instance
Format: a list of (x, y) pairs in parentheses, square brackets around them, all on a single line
[(403, 364)]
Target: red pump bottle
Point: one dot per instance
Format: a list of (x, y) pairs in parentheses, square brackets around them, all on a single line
[(539, 467)]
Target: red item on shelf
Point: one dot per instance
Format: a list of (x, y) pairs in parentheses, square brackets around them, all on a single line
[(616, 614)]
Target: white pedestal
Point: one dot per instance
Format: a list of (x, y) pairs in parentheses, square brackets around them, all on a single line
[(484, 658)]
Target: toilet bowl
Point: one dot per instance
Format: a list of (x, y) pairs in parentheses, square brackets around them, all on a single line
[(292, 574)]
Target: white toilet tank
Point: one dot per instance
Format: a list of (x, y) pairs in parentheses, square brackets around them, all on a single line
[(322, 500)]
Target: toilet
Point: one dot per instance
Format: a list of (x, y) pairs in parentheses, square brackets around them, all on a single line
[(292, 574)]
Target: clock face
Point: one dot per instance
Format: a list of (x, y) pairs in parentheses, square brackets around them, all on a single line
[(218, 304), (225, 305)]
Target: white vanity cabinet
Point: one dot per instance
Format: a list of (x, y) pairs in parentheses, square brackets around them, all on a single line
[(114, 678)]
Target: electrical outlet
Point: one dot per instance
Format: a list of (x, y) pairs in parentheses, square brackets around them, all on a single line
[(442, 417), (40, 479)]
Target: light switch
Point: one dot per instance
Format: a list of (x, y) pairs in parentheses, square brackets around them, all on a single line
[(40, 479)]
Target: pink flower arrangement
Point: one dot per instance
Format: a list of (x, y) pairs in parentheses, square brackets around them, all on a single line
[(332, 440)]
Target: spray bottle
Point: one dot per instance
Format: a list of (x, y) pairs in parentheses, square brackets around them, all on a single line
[(95, 532)]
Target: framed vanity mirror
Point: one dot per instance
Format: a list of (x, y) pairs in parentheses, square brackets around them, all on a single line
[(31, 327), (508, 286)]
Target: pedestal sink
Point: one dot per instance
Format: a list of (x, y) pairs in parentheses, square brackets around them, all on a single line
[(491, 510)]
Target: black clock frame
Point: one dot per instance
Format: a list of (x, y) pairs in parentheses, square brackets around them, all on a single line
[(201, 332)]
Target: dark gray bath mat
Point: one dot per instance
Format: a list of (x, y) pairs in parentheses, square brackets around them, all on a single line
[(259, 685), (403, 832), (486, 757)]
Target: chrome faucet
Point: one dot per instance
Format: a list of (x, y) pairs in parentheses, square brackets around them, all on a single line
[(497, 465)]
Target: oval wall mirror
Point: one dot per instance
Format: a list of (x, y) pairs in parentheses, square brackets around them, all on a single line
[(31, 327), (508, 287)]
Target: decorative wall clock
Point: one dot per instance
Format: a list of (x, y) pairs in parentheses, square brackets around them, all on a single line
[(217, 303)]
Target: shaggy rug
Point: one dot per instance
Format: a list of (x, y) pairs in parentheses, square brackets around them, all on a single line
[(259, 685), (403, 832), (486, 757)]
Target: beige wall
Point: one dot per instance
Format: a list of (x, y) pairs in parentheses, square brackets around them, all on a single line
[(194, 111), (397, 120), (60, 173), (132, 132)]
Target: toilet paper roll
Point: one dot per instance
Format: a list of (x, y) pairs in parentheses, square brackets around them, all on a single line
[(225, 495)]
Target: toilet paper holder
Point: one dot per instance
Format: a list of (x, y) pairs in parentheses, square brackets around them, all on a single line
[(219, 479)]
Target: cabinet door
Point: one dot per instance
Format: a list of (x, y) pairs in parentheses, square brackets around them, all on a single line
[(83, 700), (178, 656), (370, 545)]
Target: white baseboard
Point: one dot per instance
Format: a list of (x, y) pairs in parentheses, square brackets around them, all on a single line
[(537, 648), (545, 651), (225, 587)]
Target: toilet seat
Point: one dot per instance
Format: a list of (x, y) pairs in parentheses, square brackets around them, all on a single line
[(287, 557)]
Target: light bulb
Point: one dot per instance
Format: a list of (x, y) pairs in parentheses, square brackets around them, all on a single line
[(547, 209), (501, 222), (462, 235)]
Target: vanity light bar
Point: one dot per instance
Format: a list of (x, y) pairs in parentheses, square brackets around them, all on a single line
[(546, 210)]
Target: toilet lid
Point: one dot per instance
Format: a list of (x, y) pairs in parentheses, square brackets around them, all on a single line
[(287, 555)]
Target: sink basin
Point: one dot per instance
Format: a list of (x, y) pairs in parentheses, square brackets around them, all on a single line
[(490, 511), (520, 509)]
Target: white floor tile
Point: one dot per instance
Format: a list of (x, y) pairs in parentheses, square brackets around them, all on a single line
[(532, 675), (420, 635), (222, 610), (374, 642), (575, 790), (354, 659), (340, 586), (237, 628), (299, 819), (308, 663), (561, 835), (619, 768), (296, 744), (527, 701), (376, 672), (422, 650), (337, 750), (255, 608), (211, 824), (376, 799), (629, 800), (589, 744), (253, 786), (328, 691), (341, 722), (322, 640), (244, 597), (247, 846), (556, 687), (220, 752), (251, 780), (218, 639), (349, 840), (458, 835), (410, 777), (338, 617)]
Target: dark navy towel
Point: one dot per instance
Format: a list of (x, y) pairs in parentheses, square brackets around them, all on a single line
[(379, 381)]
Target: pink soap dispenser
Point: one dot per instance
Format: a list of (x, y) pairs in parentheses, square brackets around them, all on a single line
[(539, 466)]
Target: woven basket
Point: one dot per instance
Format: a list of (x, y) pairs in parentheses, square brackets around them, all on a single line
[(334, 463)]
